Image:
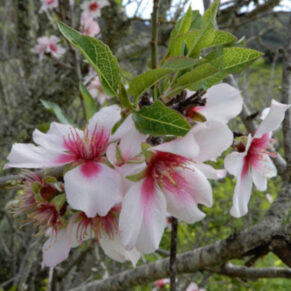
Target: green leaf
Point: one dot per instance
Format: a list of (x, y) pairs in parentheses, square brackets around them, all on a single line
[(212, 39), (220, 63), (182, 39), (208, 24), (123, 97), (179, 63), (182, 26), (98, 55), (55, 108), (90, 104), (196, 20), (159, 119), (143, 82), (232, 60)]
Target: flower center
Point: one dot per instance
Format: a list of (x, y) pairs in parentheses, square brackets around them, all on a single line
[(53, 47), (163, 168), (87, 146), (93, 6), (258, 150)]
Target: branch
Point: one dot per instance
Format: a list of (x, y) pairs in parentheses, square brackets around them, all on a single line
[(252, 273)]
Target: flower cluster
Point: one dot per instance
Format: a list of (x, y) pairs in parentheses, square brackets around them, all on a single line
[(119, 188), (91, 11)]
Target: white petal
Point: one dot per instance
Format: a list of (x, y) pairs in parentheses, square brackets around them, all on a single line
[(224, 102), (31, 156), (273, 119), (56, 249), (242, 194), (143, 217), (213, 138), (114, 249), (233, 163), (266, 167), (130, 138), (259, 180), (105, 118), (182, 199), (54, 137), (185, 146), (93, 188), (210, 172)]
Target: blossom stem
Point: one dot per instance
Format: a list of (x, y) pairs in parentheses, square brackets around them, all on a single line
[(173, 253)]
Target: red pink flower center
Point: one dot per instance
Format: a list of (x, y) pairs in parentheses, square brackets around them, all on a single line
[(53, 47), (93, 6), (257, 152), (93, 227), (87, 147), (163, 168)]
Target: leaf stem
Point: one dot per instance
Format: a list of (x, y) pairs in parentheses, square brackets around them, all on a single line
[(173, 253)]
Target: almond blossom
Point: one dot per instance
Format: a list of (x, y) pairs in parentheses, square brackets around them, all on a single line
[(48, 5), (93, 7), (89, 26), (221, 102), (49, 45), (253, 163), (173, 180), (91, 186), (80, 228)]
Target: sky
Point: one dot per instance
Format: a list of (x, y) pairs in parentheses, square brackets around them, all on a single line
[(145, 8)]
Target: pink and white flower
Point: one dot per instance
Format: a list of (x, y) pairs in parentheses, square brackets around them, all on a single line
[(48, 5), (253, 164), (89, 26), (93, 7), (96, 91), (103, 229), (222, 102), (49, 45), (90, 185), (173, 181)]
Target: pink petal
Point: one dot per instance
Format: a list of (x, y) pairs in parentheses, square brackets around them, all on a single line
[(105, 118), (182, 199), (56, 249), (224, 103), (31, 156), (185, 146), (143, 217), (273, 119), (93, 188), (114, 249), (242, 194), (213, 138)]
